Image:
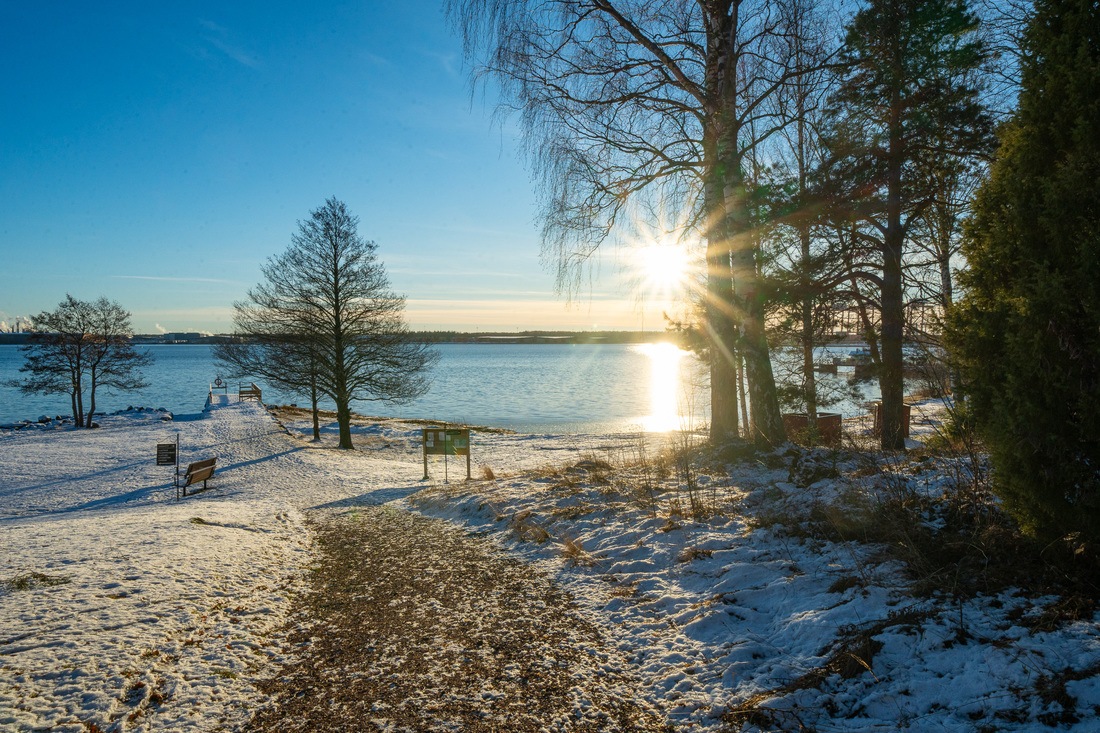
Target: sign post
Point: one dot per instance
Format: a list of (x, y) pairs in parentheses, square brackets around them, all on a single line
[(446, 442), (168, 454)]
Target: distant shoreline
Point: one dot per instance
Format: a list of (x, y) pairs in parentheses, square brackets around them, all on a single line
[(430, 337), (456, 337)]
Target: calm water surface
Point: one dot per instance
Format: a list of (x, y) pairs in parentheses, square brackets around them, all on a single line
[(530, 387), (543, 387)]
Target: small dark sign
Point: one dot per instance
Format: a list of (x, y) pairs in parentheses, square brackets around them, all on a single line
[(166, 454)]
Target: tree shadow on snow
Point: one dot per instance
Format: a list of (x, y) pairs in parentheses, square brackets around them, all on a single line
[(244, 464), (144, 493), (371, 498)]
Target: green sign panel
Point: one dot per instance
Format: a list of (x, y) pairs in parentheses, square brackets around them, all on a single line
[(446, 442)]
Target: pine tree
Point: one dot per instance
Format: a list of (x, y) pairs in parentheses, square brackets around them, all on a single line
[(906, 103), (1027, 333)]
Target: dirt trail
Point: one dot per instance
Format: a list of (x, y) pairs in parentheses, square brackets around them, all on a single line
[(422, 627)]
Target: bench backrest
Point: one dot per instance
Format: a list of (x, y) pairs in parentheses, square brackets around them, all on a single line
[(201, 474), (200, 465)]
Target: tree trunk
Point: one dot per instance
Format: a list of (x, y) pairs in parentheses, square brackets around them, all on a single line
[(343, 419), (767, 420), (742, 392), (313, 396), (809, 385), (722, 333), (316, 415), (869, 334), (732, 281), (947, 296), (339, 365), (91, 403), (809, 379), (893, 322), (78, 413), (893, 314), (721, 326)]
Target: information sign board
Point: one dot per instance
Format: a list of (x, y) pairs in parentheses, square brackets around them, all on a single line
[(446, 442), (166, 454)]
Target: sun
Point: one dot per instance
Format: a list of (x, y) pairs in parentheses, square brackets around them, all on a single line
[(663, 268)]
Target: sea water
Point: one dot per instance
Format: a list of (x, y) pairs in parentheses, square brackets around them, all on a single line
[(531, 387), (577, 388)]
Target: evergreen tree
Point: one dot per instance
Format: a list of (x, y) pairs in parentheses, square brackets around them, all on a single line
[(1027, 333), (906, 103)]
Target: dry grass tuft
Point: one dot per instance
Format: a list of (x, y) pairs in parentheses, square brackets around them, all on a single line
[(693, 553), (570, 512), (845, 582), (572, 549), (1065, 610), (34, 580), (527, 530)]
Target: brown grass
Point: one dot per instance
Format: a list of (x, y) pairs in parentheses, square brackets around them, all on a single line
[(689, 554), (34, 580)]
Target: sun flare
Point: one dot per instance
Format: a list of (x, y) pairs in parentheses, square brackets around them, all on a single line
[(663, 267)]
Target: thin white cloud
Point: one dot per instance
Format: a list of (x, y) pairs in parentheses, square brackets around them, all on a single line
[(375, 59), (468, 230), (468, 315), (217, 36), (450, 63), (453, 273), (176, 279)]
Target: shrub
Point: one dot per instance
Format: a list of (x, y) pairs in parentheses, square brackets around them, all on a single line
[(1026, 336)]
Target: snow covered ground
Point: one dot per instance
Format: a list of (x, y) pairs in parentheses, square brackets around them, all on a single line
[(123, 609)]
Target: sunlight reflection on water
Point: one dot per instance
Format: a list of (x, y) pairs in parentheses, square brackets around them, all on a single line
[(666, 388)]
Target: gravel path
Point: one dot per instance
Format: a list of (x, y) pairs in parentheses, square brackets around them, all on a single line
[(421, 627)]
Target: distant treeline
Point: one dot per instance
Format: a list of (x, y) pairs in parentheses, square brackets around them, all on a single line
[(540, 337), (428, 337)]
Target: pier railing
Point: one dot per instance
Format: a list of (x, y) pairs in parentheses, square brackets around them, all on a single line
[(249, 392)]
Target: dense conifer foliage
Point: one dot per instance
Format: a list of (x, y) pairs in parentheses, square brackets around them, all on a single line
[(1027, 333)]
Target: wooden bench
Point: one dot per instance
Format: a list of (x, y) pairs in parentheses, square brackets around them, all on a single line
[(251, 392), (198, 471)]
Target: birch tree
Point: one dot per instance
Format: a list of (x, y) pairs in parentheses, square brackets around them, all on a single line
[(660, 101)]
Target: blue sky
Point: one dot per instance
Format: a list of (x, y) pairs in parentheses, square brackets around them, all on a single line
[(157, 153)]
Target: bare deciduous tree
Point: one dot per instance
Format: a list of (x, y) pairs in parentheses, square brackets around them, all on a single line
[(661, 100), (325, 319), (82, 346)]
